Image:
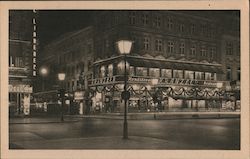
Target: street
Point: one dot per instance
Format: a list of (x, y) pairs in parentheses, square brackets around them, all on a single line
[(93, 133)]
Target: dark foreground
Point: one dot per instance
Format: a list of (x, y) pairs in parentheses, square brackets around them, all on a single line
[(93, 133)]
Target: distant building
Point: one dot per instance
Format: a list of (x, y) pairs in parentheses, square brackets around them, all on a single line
[(182, 50), (22, 60)]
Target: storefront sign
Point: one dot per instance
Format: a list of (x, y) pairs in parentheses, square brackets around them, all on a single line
[(20, 89), (186, 82), (78, 95), (139, 79), (105, 80)]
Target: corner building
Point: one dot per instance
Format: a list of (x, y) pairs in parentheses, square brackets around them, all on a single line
[(179, 50)]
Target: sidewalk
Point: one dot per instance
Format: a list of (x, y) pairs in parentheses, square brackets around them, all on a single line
[(40, 120), (108, 142), (164, 115)]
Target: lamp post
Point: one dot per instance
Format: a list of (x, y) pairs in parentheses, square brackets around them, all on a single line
[(61, 77), (124, 47)]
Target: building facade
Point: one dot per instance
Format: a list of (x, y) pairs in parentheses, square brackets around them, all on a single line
[(22, 60), (177, 61)]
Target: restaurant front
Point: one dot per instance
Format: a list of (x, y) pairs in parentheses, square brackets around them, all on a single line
[(156, 85)]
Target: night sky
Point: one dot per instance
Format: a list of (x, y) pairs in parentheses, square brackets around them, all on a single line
[(53, 23)]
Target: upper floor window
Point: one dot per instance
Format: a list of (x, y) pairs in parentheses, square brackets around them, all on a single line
[(192, 30), (146, 43), (170, 23), (181, 28), (193, 50), (203, 51), (132, 17), (229, 74), (145, 19), (182, 48), (212, 52), (158, 45), (157, 21), (229, 48), (170, 47)]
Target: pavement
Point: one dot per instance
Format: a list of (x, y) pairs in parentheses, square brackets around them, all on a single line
[(130, 116), (109, 142)]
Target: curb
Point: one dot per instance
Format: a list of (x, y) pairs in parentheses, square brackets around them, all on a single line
[(44, 122)]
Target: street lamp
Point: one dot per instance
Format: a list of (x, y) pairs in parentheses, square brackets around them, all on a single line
[(44, 72), (124, 47), (61, 77)]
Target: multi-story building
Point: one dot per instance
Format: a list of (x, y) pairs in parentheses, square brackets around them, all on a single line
[(72, 54), (22, 59), (176, 61)]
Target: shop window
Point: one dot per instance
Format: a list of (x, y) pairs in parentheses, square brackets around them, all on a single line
[(131, 71), (154, 72), (110, 70), (199, 75), (213, 76), (102, 71), (189, 74), (121, 66), (207, 76), (229, 74), (178, 74), (141, 71), (166, 73)]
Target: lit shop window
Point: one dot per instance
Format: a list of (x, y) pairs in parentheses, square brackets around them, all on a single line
[(208, 76), (199, 75), (178, 74), (131, 70), (189, 74), (121, 66), (141, 71), (166, 73), (102, 71), (110, 70), (229, 73), (154, 72), (213, 76)]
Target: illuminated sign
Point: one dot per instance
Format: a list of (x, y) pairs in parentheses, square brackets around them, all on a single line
[(103, 80), (78, 95), (187, 82), (20, 89)]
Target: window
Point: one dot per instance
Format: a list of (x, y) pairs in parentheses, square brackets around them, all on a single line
[(178, 74), (192, 31), (181, 28), (166, 73), (170, 47), (182, 48), (110, 70), (34, 73), (189, 74), (146, 43), (132, 70), (213, 76), (145, 19), (102, 71), (199, 75), (154, 72), (157, 21), (193, 50), (141, 71), (34, 34), (203, 51), (34, 53), (208, 76), (229, 74), (170, 23), (158, 45), (229, 48), (238, 74), (212, 52), (132, 18)]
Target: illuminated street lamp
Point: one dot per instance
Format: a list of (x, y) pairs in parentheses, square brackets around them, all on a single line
[(43, 72), (124, 47), (61, 77)]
